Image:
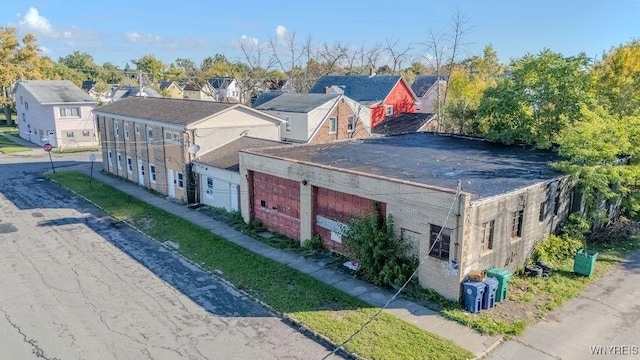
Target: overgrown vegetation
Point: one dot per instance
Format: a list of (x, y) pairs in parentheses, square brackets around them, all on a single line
[(383, 257), (317, 306)]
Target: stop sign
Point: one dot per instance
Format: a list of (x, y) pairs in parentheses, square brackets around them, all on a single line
[(47, 147)]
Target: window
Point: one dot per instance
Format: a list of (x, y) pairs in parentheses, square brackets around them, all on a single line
[(440, 242), (180, 180), (556, 203), (86, 133), (119, 161), (389, 110), (24, 117), (543, 210), (149, 136), (263, 203), (209, 185), (129, 165), (351, 124), (487, 236), (333, 125), (70, 112), (69, 134), (152, 177), (26, 105), (110, 158), (287, 123), (136, 128), (172, 137), (516, 224), (116, 131), (126, 131), (20, 99)]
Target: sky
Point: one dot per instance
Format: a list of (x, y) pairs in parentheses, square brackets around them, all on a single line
[(118, 31)]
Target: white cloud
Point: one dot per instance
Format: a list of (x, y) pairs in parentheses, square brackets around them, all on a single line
[(33, 21), (133, 36), (281, 31), (244, 40), (136, 37)]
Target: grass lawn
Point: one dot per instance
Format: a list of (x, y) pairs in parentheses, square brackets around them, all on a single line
[(8, 147), (317, 306)]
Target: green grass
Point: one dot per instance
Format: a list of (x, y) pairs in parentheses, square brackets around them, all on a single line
[(9, 147), (317, 306), (75, 150)]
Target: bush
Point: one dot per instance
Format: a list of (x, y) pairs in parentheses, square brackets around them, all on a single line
[(315, 243), (556, 248), (383, 257)]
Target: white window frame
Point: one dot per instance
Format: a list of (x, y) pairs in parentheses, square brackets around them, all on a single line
[(129, 165), (180, 180), (110, 158), (389, 110), (126, 131), (69, 112), (149, 135), (351, 123), (152, 173), (70, 134), (333, 125), (287, 123), (116, 130), (119, 161), (172, 137), (87, 132)]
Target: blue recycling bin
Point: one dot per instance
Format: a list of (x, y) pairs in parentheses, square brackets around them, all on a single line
[(473, 292), (489, 297)]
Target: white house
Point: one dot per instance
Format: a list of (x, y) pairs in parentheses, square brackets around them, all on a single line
[(426, 88), (218, 172), (57, 112)]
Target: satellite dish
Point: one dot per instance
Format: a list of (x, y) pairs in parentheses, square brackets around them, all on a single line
[(194, 149)]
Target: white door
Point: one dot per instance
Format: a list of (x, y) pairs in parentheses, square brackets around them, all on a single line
[(140, 173), (209, 188), (51, 134), (234, 197), (171, 183)]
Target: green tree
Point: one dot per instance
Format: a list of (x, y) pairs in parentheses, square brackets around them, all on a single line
[(618, 79), (81, 62), (541, 97), (153, 68)]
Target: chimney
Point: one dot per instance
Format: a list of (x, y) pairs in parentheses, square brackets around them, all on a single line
[(326, 89), (372, 71)]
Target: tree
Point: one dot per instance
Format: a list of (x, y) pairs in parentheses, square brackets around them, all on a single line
[(18, 60), (153, 68), (618, 79), (82, 63), (397, 55), (540, 98)]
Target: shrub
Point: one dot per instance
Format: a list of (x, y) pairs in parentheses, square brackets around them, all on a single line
[(383, 257), (315, 243), (576, 227), (556, 248)]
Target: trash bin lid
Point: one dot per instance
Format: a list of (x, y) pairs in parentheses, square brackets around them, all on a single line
[(474, 284)]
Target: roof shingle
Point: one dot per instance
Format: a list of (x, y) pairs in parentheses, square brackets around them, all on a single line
[(361, 88)]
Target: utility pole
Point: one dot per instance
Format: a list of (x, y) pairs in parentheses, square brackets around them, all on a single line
[(140, 83)]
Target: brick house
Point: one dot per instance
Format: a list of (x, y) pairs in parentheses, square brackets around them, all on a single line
[(315, 118), (509, 197), (378, 96), (152, 141)]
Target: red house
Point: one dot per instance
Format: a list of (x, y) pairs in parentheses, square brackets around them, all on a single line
[(382, 96)]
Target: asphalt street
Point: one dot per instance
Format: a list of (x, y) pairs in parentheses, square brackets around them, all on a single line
[(76, 285)]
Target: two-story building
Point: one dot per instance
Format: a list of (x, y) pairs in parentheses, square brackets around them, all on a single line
[(152, 141)]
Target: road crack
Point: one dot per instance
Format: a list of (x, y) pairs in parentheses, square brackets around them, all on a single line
[(35, 348)]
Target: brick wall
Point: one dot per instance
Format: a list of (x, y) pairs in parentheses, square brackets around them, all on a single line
[(276, 203), (340, 207), (342, 112)]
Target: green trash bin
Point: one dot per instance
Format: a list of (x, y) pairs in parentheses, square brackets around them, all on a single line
[(584, 262), (503, 276)]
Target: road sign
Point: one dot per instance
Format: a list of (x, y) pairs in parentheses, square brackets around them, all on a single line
[(47, 147), (92, 157)]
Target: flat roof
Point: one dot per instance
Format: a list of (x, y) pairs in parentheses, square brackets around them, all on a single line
[(484, 168)]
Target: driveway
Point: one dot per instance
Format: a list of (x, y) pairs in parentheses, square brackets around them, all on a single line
[(75, 285), (602, 323)]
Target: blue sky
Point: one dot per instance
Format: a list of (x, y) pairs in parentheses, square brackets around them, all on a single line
[(119, 31)]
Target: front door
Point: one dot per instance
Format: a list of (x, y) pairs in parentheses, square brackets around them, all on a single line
[(140, 173), (51, 134), (234, 197), (171, 183)]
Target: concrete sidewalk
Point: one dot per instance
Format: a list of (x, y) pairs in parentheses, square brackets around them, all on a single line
[(418, 315)]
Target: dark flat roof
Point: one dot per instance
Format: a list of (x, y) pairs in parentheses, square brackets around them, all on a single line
[(485, 169), (227, 156)]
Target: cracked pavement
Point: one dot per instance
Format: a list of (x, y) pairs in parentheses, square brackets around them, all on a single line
[(75, 285)]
